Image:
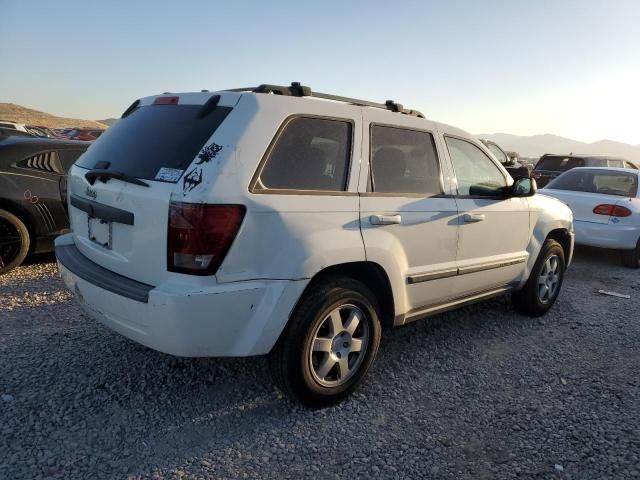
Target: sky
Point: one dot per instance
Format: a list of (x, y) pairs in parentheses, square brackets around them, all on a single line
[(570, 68)]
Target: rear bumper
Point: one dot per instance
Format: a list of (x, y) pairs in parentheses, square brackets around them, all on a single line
[(235, 319), (606, 235)]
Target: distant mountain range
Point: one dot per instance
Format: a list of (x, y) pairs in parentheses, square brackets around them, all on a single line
[(108, 121), (536, 145), (20, 114)]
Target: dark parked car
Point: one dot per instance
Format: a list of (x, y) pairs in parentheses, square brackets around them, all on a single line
[(512, 166), (33, 194), (88, 134), (11, 132), (551, 165)]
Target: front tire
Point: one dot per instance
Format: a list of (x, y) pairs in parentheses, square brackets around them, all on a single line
[(330, 342), (14, 241), (545, 281)]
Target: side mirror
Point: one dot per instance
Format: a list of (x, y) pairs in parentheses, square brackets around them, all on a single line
[(523, 187)]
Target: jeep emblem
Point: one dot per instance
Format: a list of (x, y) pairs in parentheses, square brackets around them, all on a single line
[(91, 193)]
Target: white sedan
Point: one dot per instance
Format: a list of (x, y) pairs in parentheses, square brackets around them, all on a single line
[(606, 208)]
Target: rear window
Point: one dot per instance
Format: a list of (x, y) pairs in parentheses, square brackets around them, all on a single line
[(154, 137), (592, 181), (559, 164), (309, 154)]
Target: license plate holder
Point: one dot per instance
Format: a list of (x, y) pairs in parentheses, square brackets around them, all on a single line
[(100, 232)]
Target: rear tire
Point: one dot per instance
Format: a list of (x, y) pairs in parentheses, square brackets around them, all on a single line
[(14, 241), (545, 281), (631, 258), (329, 344)]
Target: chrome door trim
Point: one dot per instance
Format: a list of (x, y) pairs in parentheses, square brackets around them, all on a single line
[(452, 272), (425, 277), (491, 265)]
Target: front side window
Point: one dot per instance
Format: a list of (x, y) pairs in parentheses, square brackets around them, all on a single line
[(476, 173), (403, 161), (309, 154)]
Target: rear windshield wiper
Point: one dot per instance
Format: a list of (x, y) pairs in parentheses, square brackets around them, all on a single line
[(104, 175)]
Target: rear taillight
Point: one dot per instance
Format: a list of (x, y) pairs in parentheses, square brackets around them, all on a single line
[(612, 210), (200, 236)]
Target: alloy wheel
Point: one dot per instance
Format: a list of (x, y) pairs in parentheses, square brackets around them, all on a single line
[(549, 279), (339, 345)]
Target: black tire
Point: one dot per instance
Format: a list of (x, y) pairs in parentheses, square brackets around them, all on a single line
[(292, 359), (631, 258), (527, 300), (14, 241)]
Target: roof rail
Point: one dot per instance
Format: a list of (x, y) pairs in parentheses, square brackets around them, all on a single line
[(298, 90)]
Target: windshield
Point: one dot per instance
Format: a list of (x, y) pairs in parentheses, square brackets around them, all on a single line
[(154, 137), (597, 181)]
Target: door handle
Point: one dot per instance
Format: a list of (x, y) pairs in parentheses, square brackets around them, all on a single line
[(473, 217), (385, 219)]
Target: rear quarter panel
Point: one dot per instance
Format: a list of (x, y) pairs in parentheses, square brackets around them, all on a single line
[(285, 236)]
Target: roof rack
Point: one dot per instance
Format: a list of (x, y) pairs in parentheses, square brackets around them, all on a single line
[(297, 90)]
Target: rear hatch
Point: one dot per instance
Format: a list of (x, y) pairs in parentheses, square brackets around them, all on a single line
[(596, 195), (582, 204), (120, 189)]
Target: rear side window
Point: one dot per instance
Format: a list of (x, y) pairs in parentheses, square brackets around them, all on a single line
[(476, 173), (403, 161), (593, 181), (153, 137), (309, 154)]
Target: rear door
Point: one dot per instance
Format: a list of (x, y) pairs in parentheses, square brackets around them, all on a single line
[(122, 225), (407, 217), (494, 230)]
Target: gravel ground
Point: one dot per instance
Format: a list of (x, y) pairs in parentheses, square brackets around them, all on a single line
[(479, 393)]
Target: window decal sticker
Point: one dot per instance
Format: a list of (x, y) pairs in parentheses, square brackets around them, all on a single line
[(166, 174), (208, 153), (191, 180)]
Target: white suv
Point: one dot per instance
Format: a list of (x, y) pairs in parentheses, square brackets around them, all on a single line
[(279, 220)]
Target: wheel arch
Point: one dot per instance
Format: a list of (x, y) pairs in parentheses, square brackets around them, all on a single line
[(20, 212), (563, 237), (371, 274)]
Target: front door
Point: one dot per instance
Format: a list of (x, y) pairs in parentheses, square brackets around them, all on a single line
[(494, 229)]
